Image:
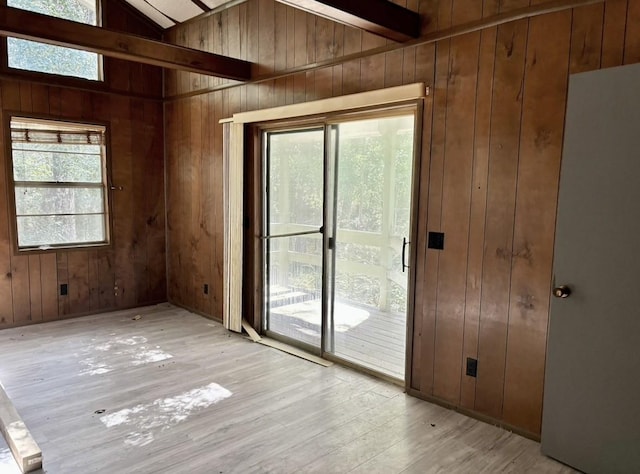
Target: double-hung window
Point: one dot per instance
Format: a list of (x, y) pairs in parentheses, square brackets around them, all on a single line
[(59, 176), (46, 58)]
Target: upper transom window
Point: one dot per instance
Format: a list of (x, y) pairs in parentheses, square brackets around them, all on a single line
[(60, 185), (40, 57)]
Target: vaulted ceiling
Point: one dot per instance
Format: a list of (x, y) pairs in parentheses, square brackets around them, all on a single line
[(381, 17), (167, 13)]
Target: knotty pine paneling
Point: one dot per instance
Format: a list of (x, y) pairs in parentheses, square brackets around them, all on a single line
[(490, 161), (132, 271), (127, 76), (543, 106), (504, 139)]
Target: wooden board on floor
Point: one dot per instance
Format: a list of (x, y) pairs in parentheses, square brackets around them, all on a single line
[(24, 448), (294, 351)]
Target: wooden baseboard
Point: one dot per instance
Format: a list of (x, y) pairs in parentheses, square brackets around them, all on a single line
[(25, 450), (474, 414), (64, 317), (195, 311)]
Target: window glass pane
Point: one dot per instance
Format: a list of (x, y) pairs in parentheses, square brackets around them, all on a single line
[(366, 148), (58, 200), (35, 231), (83, 11), (296, 180), (363, 150), (348, 250), (59, 183), (32, 56), (57, 163)]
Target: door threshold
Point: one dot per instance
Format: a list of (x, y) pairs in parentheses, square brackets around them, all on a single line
[(281, 346), (365, 370), (327, 360)]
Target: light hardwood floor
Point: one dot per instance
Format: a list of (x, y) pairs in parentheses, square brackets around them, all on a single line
[(172, 392)]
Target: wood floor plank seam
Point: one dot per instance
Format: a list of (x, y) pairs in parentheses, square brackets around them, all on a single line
[(284, 414)]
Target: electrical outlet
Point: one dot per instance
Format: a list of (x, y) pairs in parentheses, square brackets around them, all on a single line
[(64, 289), (206, 289), (472, 367)]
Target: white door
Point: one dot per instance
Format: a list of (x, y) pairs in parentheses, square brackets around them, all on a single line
[(591, 417)]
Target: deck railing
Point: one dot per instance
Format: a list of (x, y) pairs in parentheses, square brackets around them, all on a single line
[(380, 261)]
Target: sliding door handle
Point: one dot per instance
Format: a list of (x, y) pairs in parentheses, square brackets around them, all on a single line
[(405, 242)]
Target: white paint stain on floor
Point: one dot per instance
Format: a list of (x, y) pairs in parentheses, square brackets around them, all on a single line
[(138, 439), (132, 350), (163, 413)]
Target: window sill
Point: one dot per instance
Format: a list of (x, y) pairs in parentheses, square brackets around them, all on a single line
[(61, 248)]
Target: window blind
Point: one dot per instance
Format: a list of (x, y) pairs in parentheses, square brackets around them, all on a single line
[(72, 134)]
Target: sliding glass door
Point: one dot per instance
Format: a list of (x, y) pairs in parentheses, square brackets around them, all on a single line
[(374, 162), (337, 225), (294, 215)]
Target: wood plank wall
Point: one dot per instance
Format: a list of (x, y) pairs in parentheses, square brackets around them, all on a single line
[(127, 76), (491, 154), (29, 285)]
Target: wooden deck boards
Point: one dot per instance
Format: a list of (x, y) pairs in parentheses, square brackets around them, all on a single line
[(376, 341), (284, 414)]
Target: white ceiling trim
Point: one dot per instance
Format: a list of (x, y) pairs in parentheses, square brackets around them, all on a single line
[(178, 10), (214, 3), (167, 13)]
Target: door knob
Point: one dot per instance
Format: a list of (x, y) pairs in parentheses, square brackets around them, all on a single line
[(562, 291)]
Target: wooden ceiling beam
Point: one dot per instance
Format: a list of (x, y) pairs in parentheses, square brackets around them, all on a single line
[(380, 17), (45, 29), (203, 6)]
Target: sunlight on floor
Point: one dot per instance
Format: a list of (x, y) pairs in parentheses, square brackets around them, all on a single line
[(345, 317)]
